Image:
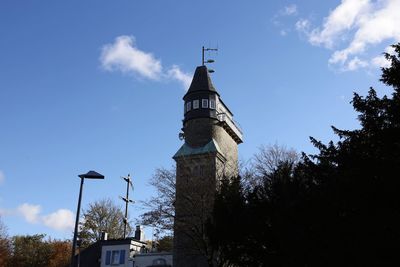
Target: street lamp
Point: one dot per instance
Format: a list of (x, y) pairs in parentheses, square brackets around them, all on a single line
[(88, 175)]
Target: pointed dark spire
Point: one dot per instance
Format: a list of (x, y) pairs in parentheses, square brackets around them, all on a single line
[(201, 81)]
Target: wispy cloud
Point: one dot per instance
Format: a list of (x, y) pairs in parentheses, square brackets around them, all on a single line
[(356, 63), (281, 17), (342, 19), (352, 28), (123, 55), (2, 177), (176, 73), (290, 10), (61, 219), (303, 25), (381, 61), (30, 212)]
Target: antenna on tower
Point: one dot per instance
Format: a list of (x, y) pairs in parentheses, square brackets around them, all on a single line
[(129, 185), (203, 61)]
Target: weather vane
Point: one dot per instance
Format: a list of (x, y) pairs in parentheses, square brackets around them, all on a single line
[(203, 61)]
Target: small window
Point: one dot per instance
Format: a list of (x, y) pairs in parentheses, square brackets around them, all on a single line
[(204, 103), (202, 170), (195, 104), (212, 104), (115, 257), (108, 257), (188, 106)]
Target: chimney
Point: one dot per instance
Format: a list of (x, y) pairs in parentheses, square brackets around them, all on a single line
[(139, 234), (104, 235)]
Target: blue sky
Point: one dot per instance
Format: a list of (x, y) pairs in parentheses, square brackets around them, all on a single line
[(99, 84)]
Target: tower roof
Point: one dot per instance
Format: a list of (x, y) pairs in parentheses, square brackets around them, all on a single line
[(210, 147), (201, 81)]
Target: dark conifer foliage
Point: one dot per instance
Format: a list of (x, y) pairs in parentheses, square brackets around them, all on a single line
[(340, 207)]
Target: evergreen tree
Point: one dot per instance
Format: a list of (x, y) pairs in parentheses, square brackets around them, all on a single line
[(340, 207), (358, 181)]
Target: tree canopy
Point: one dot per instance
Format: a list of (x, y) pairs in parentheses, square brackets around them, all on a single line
[(102, 216), (160, 210), (339, 207)]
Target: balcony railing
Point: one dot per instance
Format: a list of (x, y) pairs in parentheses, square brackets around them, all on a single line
[(231, 126)]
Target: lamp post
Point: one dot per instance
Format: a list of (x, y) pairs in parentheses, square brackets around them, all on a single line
[(88, 175)]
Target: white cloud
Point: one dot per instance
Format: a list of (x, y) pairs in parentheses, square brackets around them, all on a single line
[(356, 25), (390, 50), (280, 18), (303, 25), (2, 177), (283, 32), (356, 63), (381, 61), (176, 73), (124, 56), (30, 212), (341, 19), (290, 10), (62, 220)]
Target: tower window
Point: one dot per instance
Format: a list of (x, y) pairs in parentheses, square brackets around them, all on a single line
[(212, 103), (188, 106), (195, 104), (204, 103), (198, 170)]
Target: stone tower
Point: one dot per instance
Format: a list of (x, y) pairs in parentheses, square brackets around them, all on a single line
[(208, 154)]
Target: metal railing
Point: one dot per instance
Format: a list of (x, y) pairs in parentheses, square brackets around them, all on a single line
[(223, 117)]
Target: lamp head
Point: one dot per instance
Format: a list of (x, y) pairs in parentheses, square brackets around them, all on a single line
[(92, 175)]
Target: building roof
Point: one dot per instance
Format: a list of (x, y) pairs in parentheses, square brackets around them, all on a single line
[(201, 81), (186, 150), (120, 241)]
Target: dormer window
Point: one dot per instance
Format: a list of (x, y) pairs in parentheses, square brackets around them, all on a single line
[(188, 106), (204, 103), (195, 104), (212, 103)]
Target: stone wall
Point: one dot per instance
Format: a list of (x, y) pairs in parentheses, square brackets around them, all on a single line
[(198, 132), (197, 179)]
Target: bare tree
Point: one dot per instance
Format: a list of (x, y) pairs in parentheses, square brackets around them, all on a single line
[(102, 216), (5, 245), (198, 198), (265, 162), (160, 210), (269, 157)]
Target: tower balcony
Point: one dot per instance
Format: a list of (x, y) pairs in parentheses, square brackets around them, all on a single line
[(231, 127)]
